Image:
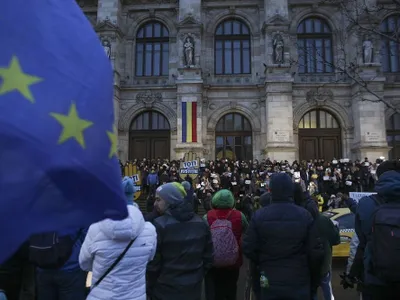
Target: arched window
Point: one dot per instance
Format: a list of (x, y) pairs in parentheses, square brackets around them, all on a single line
[(393, 136), (150, 120), (318, 119), (390, 53), (152, 50), (314, 42), (232, 48), (234, 137)]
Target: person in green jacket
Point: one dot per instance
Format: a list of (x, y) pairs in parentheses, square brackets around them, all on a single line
[(329, 232)]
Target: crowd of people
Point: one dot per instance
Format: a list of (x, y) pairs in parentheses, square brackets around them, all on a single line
[(267, 211), (329, 181)]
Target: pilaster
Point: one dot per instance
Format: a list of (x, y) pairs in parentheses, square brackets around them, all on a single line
[(189, 81), (278, 82), (108, 28), (279, 115), (189, 98), (369, 114)]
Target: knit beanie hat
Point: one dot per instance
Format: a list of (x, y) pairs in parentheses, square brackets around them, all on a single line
[(129, 189), (223, 199), (186, 185), (172, 193)]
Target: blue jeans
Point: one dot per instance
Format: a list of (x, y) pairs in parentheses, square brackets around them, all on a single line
[(326, 287), (61, 285)]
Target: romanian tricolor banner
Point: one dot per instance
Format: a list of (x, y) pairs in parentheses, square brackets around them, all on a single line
[(189, 122)]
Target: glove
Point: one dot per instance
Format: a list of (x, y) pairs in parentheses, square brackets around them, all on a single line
[(347, 281)]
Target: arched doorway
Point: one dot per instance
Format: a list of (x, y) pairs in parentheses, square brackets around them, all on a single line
[(319, 136), (149, 136), (393, 136), (233, 137)]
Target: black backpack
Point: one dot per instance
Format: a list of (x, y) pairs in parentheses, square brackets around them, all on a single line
[(51, 251), (385, 241)]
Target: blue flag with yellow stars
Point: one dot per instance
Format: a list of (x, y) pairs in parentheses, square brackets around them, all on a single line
[(58, 142)]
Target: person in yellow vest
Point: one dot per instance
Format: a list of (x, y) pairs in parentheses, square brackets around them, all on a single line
[(314, 192)]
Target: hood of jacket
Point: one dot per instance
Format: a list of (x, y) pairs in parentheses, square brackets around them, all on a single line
[(282, 187), (265, 199), (182, 212), (388, 186), (126, 229)]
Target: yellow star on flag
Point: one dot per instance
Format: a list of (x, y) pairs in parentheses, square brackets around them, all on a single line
[(73, 126), (113, 137), (15, 79)]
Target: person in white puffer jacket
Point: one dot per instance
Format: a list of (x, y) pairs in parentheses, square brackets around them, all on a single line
[(105, 241)]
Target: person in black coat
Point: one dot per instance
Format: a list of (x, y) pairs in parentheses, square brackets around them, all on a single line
[(282, 242), (184, 248)]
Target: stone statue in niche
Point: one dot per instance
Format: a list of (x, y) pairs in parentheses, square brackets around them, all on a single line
[(278, 49), (368, 49), (107, 48), (188, 49)]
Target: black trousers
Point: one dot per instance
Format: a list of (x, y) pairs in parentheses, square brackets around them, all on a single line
[(376, 292), (221, 283)]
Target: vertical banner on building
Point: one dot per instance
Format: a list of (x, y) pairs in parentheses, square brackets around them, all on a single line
[(189, 122)]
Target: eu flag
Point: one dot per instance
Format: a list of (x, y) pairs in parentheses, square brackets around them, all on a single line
[(58, 145)]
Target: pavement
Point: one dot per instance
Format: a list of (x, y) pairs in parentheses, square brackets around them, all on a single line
[(338, 291)]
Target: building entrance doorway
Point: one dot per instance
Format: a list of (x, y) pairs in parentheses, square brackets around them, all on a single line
[(149, 136), (319, 136), (233, 138)]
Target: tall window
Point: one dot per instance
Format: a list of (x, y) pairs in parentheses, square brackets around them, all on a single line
[(234, 137), (314, 41), (393, 136), (232, 48), (152, 50), (391, 44)]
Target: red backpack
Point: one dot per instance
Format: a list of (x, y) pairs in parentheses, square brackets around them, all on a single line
[(226, 248)]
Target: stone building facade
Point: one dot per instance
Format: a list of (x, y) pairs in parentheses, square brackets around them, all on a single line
[(239, 79)]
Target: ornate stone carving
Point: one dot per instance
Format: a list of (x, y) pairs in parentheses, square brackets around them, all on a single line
[(278, 46), (188, 50), (349, 130), (123, 106), (233, 104), (368, 50), (319, 96), (107, 47), (148, 98), (128, 115), (212, 106)]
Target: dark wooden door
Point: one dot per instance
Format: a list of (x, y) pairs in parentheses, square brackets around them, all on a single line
[(149, 145), (139, 148), (319, 143), (308, 148), (160, 147)]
